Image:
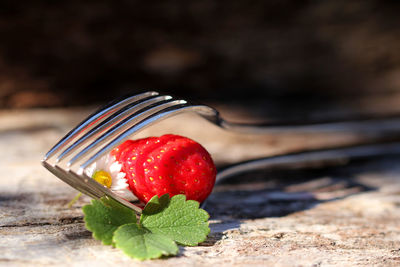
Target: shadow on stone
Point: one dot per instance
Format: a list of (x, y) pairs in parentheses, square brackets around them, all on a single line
[(280, 192), (217, 229)]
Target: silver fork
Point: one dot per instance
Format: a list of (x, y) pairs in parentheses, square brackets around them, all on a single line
[(114, 123)]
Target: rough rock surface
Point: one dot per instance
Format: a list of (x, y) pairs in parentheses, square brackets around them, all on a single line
[(338, 216)]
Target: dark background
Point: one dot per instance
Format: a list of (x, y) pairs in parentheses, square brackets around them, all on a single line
[(293, 54)]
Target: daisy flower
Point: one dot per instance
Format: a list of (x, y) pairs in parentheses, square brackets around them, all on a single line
[(107, 171)]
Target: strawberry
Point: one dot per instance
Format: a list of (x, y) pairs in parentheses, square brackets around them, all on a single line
[(168, 164)]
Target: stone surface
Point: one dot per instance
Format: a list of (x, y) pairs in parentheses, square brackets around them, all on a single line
[(335, 216)]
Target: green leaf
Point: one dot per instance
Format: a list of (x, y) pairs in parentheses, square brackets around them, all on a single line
[(104, 216), (139, 243), (182, 221)]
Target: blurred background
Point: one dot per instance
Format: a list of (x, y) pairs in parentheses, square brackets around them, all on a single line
[(280, 57), (256, 61)]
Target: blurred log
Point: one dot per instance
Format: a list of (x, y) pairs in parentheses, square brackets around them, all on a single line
[(299, 54)]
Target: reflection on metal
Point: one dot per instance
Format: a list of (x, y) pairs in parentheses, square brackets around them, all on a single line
[(111, 125)]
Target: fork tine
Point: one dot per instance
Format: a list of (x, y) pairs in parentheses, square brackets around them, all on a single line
[(133, 118), (100, 190), (88, 186), (60, 173), (111, 120), (83, 184), (123, 201), (149, 120), (92, 119)]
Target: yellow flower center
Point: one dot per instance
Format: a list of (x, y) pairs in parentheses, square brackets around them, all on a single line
[(103, 178)]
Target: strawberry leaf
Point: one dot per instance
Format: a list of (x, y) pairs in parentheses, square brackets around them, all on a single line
[(163, 222), (139, 243), (182, 221), (104, 216)]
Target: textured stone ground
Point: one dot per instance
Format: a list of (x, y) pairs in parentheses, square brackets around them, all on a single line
[(338, 216)]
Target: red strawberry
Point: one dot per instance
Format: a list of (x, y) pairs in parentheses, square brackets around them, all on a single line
[(168, 164)]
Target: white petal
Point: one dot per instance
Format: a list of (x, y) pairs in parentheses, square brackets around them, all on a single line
[(115, 167), (121, 181), (119, 186), (121, 175), (91, 169)]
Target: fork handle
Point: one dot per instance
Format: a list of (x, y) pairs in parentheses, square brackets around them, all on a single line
[(361, 126), (371, 125), (337, 155)]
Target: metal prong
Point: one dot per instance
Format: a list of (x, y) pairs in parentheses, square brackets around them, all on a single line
[(156, 117), (110, 121), (92, 119), (60, 173), (102, 191), (122, 125)]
